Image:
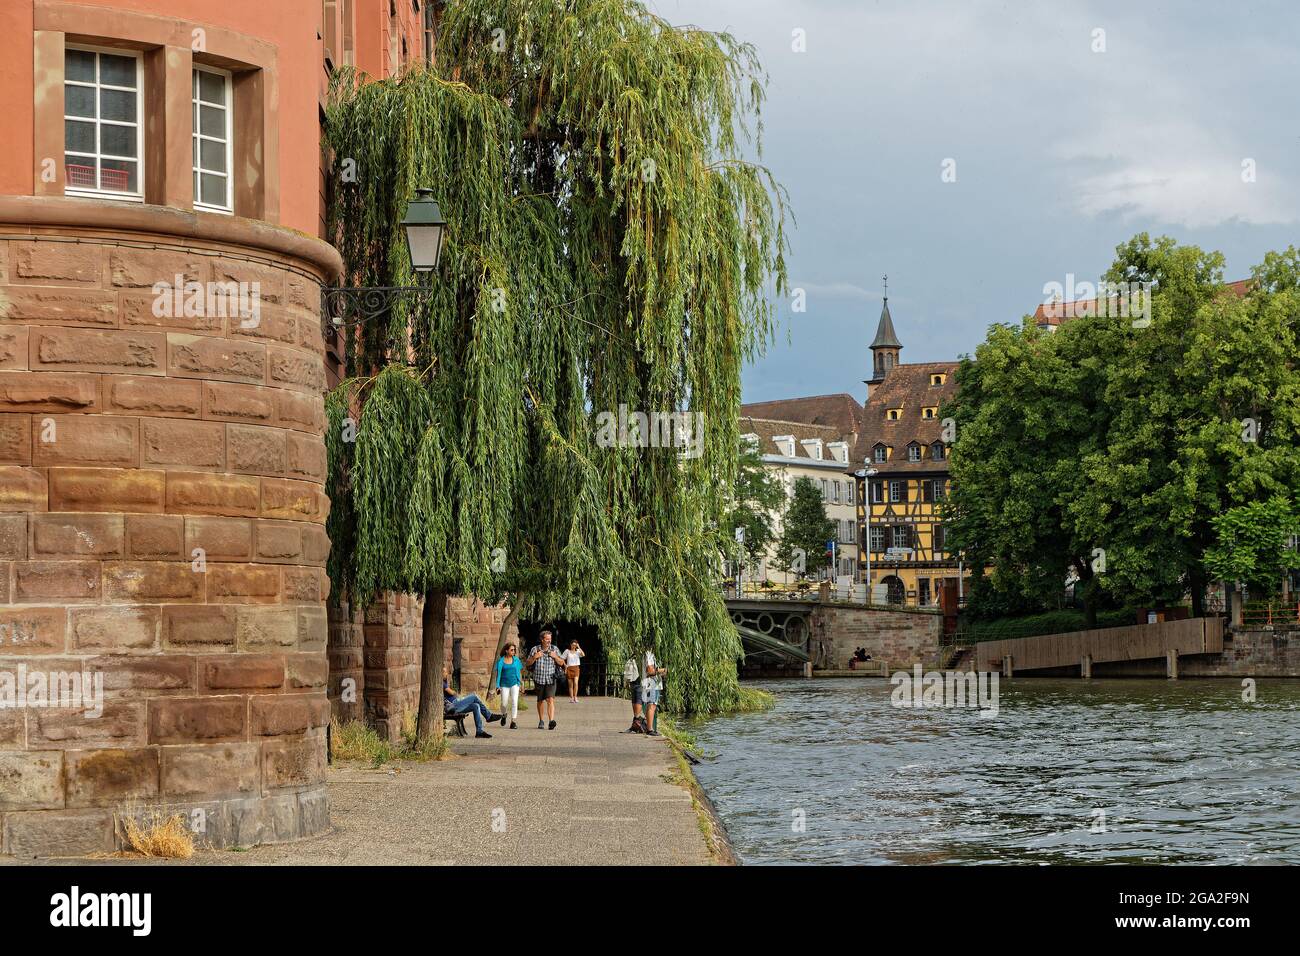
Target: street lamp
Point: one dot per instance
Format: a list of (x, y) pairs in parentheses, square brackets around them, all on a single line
[(424, 228)]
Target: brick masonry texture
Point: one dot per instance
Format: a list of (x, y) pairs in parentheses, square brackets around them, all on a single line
[(375, 656), (899, 638), (162, 519)]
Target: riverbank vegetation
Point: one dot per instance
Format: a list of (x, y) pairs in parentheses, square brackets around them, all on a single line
[(1135, 452), (612, 248)]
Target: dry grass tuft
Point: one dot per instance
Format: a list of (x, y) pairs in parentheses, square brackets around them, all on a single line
[(156, 835)]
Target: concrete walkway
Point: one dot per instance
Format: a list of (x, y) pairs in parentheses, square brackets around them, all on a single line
[(584, 793)]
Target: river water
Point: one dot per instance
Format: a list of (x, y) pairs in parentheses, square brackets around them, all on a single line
[(1068, 772)]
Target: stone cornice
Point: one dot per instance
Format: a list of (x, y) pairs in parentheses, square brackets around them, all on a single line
[(92, 217)]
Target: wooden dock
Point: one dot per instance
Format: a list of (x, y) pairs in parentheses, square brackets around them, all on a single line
[(1169, 640)]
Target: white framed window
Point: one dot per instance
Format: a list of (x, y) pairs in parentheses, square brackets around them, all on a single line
[(212, 139), (103, 138)]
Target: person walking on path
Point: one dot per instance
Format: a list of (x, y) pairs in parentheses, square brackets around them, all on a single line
[(545, 661), (572, 662), (469, 704), (509, 679)]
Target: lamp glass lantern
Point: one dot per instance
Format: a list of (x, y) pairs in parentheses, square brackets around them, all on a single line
[(424, 227)]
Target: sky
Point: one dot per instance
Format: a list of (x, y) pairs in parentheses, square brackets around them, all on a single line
[(1177, 118)]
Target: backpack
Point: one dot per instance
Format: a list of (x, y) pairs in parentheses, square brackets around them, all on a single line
[(631, 672), (639, 726)]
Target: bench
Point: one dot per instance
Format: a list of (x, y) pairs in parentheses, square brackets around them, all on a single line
[(458, 719)]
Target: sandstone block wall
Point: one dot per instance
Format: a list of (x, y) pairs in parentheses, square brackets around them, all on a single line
[(162, 523), (901, 638), (389, 636)]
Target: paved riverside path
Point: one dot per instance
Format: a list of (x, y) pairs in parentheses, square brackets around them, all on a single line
[(584, 793)]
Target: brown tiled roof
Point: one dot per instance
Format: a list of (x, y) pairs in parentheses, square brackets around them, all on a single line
[(1065, 311), (840, 411), (907, 387), (768, 430)]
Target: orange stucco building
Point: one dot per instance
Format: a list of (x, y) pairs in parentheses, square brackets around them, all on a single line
[(162, 463)]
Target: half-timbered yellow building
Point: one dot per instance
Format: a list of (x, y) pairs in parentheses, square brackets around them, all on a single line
[(901, 467)]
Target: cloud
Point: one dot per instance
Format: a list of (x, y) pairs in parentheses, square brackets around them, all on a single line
[(1174, 172)]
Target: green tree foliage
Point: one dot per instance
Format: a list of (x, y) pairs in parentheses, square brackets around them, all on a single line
[(758, 499), (1129, 439), (609, 243), (806, 528), (1254, 544)]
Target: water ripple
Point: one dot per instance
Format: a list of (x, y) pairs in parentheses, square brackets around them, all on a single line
[(1184, 771)]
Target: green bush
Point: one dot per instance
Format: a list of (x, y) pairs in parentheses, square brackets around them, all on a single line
[(1049, 622)]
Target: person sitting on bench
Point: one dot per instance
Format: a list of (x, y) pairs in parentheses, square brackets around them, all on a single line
[(469, 704)]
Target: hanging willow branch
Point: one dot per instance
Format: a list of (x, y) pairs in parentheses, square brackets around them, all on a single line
[(610, 242)]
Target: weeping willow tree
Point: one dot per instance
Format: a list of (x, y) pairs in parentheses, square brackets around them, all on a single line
[(611, 243)]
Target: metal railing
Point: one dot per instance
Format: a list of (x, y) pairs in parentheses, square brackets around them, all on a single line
[(1272, 613), (811, 592)]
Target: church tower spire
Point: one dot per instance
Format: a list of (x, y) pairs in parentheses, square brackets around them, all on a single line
[(885, 347)]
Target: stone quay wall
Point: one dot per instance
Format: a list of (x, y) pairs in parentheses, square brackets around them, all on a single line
[(897, 638), (162, 519)]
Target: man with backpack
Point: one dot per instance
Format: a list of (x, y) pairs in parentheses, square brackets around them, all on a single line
[(632, 675), (644, 684), (545, 663)]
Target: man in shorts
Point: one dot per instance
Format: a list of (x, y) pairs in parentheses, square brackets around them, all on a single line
[(545, 663)]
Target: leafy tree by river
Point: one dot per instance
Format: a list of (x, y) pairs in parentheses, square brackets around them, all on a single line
[(1114, 445), (609, 243)]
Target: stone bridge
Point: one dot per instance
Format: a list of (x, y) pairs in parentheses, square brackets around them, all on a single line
[(779, 633)]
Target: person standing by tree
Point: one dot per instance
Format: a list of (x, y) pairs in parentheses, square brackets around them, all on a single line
[(509, 679), (572, 662), (544, 662), (651, 682)]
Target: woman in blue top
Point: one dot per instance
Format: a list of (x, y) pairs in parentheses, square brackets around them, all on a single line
[(510, 678)]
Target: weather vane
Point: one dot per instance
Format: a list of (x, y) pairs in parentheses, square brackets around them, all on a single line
[(885, 280)]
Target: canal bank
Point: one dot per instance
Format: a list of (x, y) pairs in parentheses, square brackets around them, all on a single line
[(1068, 771), (584, 794)]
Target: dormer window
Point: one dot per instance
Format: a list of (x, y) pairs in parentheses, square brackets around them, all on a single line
[(938, 378), (839, 450), (893, 414), (879, 453), (937, 452), (813, 447), (786, 444), (913, 452), (929, 413), (750, 440)]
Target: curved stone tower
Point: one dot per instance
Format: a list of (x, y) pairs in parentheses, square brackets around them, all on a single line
[(163, 508), (162, 505)]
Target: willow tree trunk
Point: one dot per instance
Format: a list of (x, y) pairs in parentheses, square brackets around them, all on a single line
[(433, 621)]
